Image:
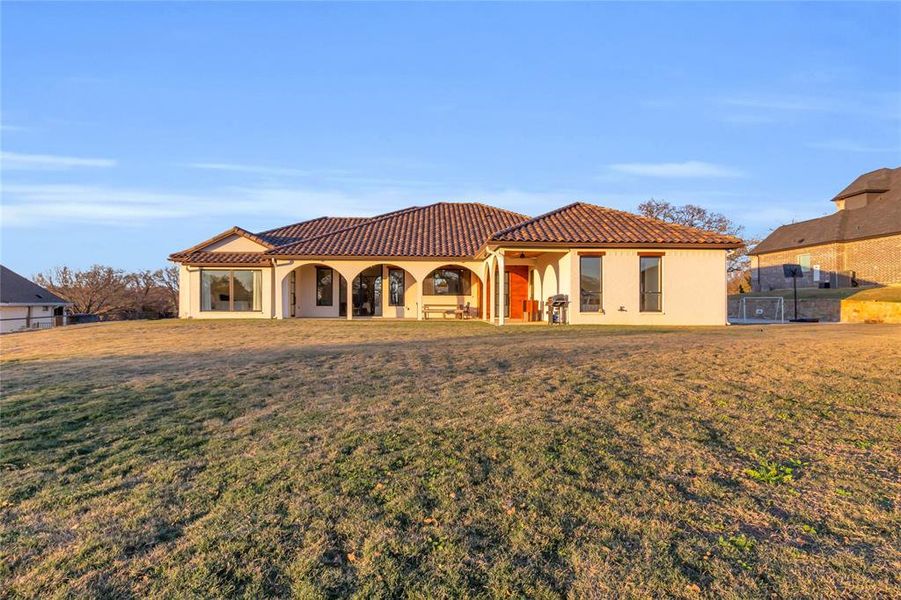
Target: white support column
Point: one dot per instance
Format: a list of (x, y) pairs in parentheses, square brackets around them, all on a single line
[(419, 299), (350, 295), (489, 292), (278, 296), (500, 287)]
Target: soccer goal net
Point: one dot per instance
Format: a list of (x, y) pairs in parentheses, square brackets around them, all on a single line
[(762, 308)]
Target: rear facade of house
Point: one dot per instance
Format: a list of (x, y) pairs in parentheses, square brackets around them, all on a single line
[(857, 245), (463, 260)]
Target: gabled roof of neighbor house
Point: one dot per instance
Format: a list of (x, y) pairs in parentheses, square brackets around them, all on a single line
[(582, 223), (15, 289), (444, 229), (877, 182), (881, 216)]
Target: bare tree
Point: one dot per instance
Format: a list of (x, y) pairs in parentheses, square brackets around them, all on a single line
[(167, 278), (112, 293), (146, 295), (738, 264), (98, 290)]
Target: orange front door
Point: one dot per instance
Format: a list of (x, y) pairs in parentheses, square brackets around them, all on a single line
[(519, 289)]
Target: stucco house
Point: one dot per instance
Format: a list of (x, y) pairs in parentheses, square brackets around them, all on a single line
[(26, 305), (445, 260), (858, 244)]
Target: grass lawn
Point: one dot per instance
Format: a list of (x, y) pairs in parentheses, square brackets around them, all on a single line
[(890, 293), (333, 459), (805, 293)]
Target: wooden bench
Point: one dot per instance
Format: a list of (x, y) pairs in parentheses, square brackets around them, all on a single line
[(443, 309)]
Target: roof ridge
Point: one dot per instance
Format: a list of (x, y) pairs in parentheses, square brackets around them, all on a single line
[(298, 223), (481, 204), (375, 219), (534, 219)]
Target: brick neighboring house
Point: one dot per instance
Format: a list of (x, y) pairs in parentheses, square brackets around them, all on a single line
[(859, 244)]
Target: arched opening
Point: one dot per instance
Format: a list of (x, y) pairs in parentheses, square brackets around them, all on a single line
[(315, 290), (366, 293), (383, 290), (452, 290)]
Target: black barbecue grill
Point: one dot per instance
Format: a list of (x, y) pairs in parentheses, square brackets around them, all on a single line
[(556, 309)]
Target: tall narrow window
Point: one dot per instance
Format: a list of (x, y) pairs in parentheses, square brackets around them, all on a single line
[(590, 283), (507, 294), (395, 287), (293, 284), (324, 286), (651, 284), (238, 291)]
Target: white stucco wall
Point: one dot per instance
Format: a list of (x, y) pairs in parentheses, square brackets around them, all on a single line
[(234, 243), (694, 288)]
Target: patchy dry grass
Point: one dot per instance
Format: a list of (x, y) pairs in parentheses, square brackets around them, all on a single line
[(889, 293), (326, 459)]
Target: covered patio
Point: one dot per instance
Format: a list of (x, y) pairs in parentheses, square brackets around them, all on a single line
[(389, 290)]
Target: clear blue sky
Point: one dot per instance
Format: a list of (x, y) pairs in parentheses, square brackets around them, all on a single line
[(130, 131)]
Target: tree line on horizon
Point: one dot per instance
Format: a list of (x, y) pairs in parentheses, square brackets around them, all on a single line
[(115, 294)]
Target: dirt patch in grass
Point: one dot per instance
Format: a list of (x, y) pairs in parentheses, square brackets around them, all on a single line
[(330, 459)]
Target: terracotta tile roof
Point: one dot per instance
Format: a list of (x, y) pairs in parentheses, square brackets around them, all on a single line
[(308, 229), (199, 257), (881, 216), (269, 239), (441, 230), (582, 223), (225, 234), (448, 229)]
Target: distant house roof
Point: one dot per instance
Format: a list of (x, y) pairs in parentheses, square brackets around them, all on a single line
[(582, 223), (445, 229), (878, 182), (15, 289), (879, 217)]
